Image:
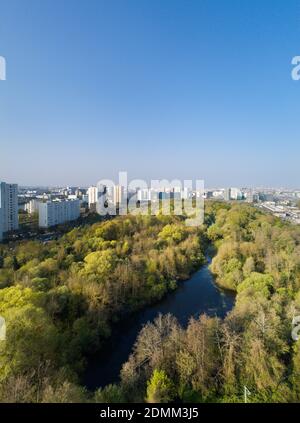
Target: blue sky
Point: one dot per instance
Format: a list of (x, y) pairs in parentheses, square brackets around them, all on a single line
[(163, 89)]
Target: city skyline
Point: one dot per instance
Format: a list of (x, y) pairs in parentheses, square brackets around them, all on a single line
[(164, 89), (276, 188), (219, 186)]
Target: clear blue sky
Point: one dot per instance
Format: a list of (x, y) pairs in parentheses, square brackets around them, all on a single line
[(160, 88)]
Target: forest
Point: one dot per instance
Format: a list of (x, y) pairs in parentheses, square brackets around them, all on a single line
[(61, 300)]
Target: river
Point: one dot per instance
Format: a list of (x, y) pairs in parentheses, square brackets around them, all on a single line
[(195, 296)]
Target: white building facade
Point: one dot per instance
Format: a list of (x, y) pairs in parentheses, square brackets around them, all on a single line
[(58, 212), (32, 206), (92, 193), (236, 194), (118, 194), (8, 208)]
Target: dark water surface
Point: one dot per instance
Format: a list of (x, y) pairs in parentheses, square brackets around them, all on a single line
[(196, 296)]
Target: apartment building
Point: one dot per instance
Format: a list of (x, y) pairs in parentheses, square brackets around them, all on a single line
[(8, 208), (57, 212)]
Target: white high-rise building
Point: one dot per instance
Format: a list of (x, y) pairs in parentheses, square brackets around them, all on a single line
[(92, 193), (227, 194), (8, 208), (144, 194), (118, 195), (32, 206), (57, 212)]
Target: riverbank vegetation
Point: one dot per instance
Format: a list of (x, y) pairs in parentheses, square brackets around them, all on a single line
[(61, 298), (258, 257)]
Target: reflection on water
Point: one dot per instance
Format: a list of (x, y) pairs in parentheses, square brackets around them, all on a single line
[(193, 297)]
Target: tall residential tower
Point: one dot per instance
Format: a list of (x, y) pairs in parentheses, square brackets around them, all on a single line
[(8, 208)]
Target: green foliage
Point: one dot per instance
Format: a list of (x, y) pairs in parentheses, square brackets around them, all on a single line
[(110, 394), (172, 233), (160, 389), (258, 257), (257, 282), (99, 264), (65, 393), (32, 339), (60, 299)]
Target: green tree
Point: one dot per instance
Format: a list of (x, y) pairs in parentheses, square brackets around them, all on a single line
[(110, 394), (160, 389)]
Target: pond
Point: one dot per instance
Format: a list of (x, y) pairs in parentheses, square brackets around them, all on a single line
[(193, 297)]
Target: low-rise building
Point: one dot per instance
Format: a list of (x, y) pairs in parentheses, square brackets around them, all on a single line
[(236, 194)]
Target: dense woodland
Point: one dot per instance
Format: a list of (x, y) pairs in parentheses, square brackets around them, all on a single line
[(61, 300), (257, 256)]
